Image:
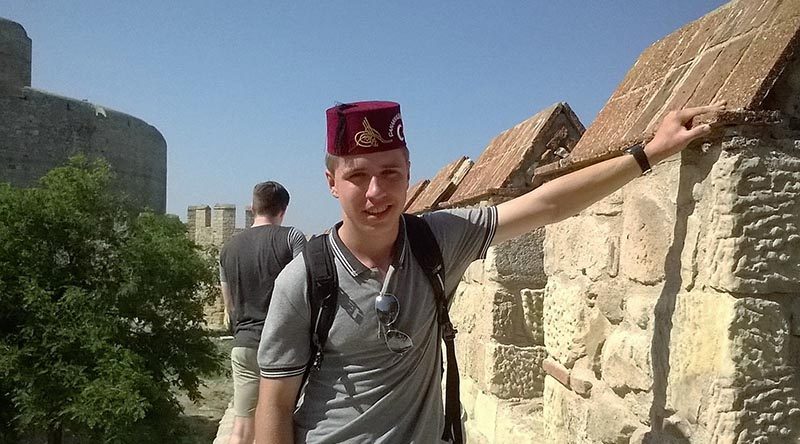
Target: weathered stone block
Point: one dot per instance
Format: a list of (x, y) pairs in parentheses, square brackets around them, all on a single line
[(518, 260), (767, 384), (532, 311), (731, 368), (609, 298), (609, 420), (574, 327), (492, 420), (640, 309), (508, 318), (471, 313), (698, 355), (468, 392), (514, 372), (519, 422), (565, 314), (597, 254), (747, 227), (572, 419), (648, 224), (564, 414), (485, 414), (625, 361)]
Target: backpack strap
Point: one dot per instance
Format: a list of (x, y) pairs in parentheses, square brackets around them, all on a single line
[(322, 291), (429, 256)]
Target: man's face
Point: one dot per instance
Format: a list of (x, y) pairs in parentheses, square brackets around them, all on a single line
[(371, 188)]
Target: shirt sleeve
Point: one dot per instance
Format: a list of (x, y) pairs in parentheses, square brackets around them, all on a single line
[(297, 241), (464, 235), (284, 348)]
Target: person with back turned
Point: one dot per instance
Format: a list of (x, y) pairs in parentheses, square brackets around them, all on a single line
[(249, 263)]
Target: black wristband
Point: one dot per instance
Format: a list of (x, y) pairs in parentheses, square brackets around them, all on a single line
[(637, 151)]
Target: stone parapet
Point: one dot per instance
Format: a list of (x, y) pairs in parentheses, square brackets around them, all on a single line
[(689, 337), (210, 227), (490, 420)]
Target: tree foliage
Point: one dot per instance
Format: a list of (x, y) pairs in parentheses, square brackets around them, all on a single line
[(101, 312)]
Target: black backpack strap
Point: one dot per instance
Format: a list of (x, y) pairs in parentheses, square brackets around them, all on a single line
[(429, 256), (322, 291)]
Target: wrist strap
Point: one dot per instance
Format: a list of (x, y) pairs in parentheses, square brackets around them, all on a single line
[(637, 151)]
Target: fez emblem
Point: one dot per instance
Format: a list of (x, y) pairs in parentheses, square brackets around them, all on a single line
[(369, 137)]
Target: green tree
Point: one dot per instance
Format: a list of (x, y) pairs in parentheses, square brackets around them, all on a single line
[(101, 312)]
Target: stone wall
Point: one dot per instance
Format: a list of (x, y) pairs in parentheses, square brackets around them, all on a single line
[(678, 310), (40, 131), (15, 55), (500, 346), (211, 227), (497, 307)]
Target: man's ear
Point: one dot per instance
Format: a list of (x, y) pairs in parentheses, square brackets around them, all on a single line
[(331, 183)]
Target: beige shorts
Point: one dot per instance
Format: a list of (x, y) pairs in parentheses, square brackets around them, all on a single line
[(244, 363)]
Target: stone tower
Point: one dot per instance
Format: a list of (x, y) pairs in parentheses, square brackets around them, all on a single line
[(211, 227), (40, 131), (15, 55)]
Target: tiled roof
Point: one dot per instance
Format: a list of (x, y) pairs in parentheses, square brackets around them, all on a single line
[(441, 186), (736, 52), (414, 191), (505, 162)]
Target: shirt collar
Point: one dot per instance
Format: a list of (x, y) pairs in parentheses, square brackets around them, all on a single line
[(352, 264)]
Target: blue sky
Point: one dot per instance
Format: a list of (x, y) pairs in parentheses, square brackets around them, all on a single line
[(239, 89)]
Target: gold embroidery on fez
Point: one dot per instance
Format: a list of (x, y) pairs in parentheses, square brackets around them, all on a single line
[(369, 138)]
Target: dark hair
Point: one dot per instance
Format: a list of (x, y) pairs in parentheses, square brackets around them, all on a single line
[(269, 199)]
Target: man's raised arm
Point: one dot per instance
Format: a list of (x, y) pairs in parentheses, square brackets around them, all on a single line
[(274, 413), (570, 194)]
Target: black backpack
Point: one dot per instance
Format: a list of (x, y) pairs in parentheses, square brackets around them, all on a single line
[(323, 286)]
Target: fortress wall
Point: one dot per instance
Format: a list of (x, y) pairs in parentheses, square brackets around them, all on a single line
[(41, 131), (211, 227), (675, 317), (498, 310), (15, 56), (497, 307), (223, 223)]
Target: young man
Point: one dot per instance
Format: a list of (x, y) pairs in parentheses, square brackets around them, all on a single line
[(248, 265), (373, 387)]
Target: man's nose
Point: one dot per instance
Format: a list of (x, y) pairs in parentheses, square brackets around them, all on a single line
[(375, 188)]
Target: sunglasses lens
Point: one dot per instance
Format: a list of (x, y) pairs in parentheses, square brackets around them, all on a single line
[(397, 341), (387, 308)]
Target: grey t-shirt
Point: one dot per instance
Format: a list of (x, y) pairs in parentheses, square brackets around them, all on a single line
[(364, 393), (249, 263)]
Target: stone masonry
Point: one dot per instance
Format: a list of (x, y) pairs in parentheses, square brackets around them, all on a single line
[(680, 320), (677, 326), (40, 131), (498, 305), (669, 312), (211, 227)]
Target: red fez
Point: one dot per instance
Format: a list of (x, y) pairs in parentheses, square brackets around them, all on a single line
[(364, 127)]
